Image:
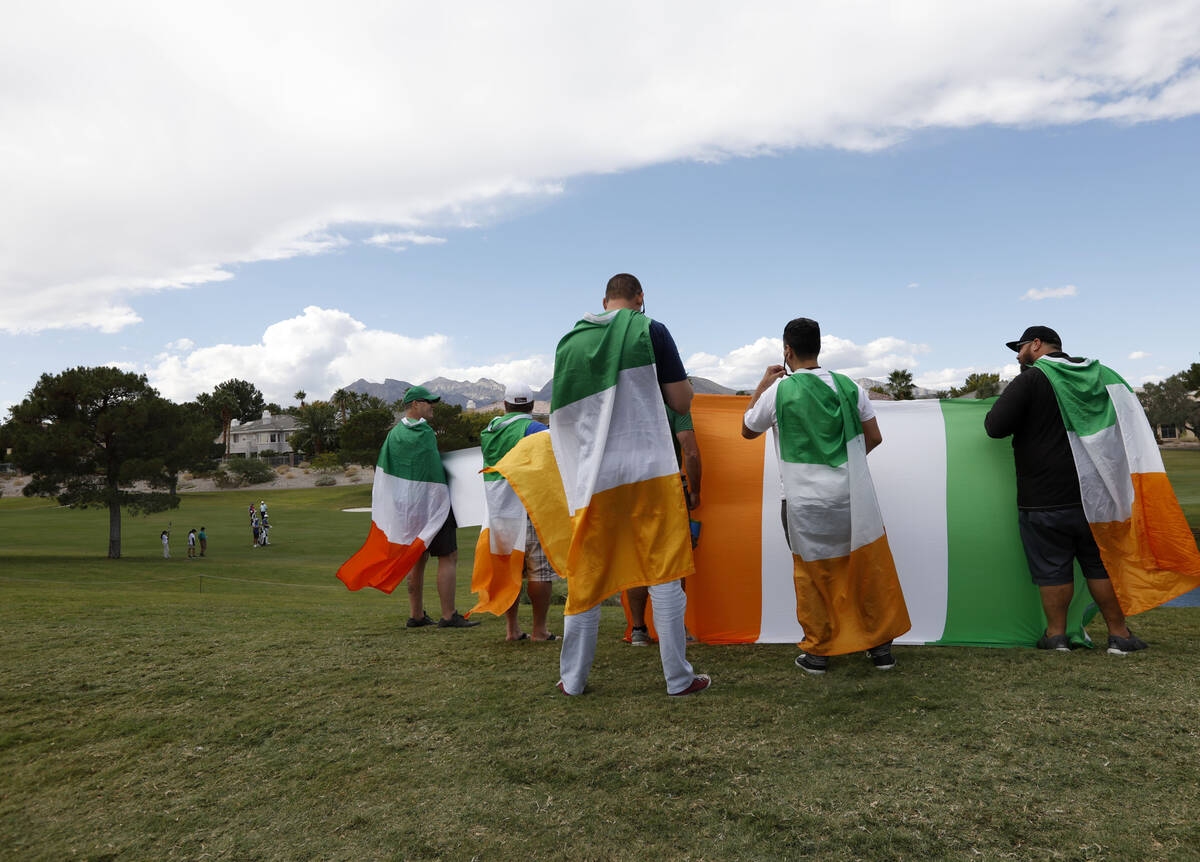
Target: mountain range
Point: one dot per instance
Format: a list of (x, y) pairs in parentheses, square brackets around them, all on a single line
[(483, 391)]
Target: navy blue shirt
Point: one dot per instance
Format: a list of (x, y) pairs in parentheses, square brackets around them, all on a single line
[(666, 355)]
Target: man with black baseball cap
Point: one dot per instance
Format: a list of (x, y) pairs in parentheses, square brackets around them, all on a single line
[(1054, 528)]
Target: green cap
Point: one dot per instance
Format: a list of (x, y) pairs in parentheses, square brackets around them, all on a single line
[(419, 393)]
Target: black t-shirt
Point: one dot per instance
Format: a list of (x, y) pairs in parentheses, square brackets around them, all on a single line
[(1028, 410)]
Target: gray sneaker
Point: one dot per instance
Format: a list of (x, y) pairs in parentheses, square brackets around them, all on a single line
[(1057, 642), (1124, 646), (814, 664), (640, 636)]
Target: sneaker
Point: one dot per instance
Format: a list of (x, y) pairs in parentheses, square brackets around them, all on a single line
[(640, 636), (1058, 643), (701, 682), (559, 686), (456, 621), (414, 623), (1124, 646), (814, 664), (882, 660)]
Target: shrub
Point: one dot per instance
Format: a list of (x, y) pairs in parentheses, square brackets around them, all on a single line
[(325, 480), (351, 471), (222, 479), (327, 461), (283, 469), (251, 471)]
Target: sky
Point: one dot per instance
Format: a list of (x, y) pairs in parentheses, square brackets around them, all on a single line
[(301, 195)]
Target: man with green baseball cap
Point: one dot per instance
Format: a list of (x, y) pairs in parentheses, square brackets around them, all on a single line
[(418, 408)]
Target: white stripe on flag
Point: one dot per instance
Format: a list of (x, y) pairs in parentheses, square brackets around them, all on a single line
[(1140, 444), (909, 469), (404, 509), (778, 622), (604, 441)]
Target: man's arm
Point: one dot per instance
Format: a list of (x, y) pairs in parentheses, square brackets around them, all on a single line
[(1005, 415), (678, 395), (773, 373), (691, 465), (871, 433)]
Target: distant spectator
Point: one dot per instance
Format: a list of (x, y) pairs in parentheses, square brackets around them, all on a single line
[(203, 541), (191, 542), (166, 547)]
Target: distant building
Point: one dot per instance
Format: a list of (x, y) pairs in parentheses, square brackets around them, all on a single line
[(268, 434)]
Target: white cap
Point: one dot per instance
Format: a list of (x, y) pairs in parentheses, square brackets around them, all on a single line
[(518, 393)]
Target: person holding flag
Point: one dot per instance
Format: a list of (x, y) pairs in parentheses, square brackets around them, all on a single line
[(1091, 488), (508, 548), (411, 518), (848, 595)]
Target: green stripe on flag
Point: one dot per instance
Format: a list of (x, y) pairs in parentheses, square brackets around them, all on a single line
[(815, 421), (591, 356), (990, 597), (1081, 390), (410, 452)]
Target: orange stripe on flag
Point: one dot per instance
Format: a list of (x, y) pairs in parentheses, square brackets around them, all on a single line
[(496, 578), (629, 536), (379, 563), (725, 594), (864, 591), (1152, 557)]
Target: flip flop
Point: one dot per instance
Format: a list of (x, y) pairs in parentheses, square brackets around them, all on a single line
[(524, 637), (550, 637)]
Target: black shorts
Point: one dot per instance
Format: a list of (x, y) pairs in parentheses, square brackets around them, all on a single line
[(1054, 539), (445, 542)]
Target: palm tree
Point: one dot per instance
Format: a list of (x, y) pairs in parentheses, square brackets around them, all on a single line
[(900, 384), (342, 400), (300, 396)]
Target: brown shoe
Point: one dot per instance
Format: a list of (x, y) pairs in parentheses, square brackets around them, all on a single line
[(700, 683)]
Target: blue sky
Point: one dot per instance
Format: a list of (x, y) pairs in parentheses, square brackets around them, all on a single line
[(924, 211)]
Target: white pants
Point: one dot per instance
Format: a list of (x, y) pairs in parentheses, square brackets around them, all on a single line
[(579, 641)]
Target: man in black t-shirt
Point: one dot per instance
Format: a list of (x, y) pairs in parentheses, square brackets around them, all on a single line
[(1054, 529)]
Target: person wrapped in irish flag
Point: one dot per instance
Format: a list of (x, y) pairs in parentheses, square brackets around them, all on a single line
[(411, 518), (1091, 488), (508, 549), (848, 596)]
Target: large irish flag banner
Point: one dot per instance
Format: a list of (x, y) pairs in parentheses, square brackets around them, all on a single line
[(410, 500), (947, 494), (1144, 540), (603, 490)]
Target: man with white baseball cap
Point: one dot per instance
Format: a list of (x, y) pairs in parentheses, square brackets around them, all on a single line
[(500, 436)]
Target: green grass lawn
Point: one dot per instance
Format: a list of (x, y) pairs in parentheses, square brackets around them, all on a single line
[(247, 706)]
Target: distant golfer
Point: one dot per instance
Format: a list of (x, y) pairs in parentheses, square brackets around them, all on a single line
[(166, 538)]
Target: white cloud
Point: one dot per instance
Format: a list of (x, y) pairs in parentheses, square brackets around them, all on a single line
[(401, 240), (320, 350), (743, 367), (150, 146), (947, 378), (1038, 293), (181, 344), (913, 284), (1151, 378), (1139, 354)]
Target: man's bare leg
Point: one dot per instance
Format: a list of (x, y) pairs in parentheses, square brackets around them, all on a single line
[(1055, 601), (416, 588), (539, 598), (445, 583), (1106, 599), (513, 632), (637, 604)]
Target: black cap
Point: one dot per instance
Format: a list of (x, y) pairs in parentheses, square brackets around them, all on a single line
[(1043, 333)]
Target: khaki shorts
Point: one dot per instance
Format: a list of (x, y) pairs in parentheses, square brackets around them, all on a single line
[(537, 567)]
